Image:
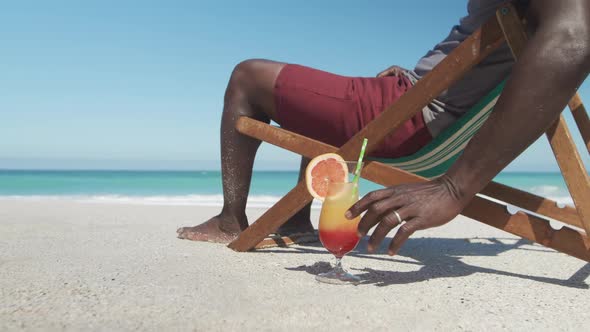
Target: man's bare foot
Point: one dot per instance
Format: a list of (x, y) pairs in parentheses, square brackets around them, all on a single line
[(213, 230), (220, 230)]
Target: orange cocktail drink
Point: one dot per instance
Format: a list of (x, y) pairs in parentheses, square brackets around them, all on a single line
[(338, 234)]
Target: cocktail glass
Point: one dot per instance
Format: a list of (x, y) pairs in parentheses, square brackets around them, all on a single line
[(338, 234)]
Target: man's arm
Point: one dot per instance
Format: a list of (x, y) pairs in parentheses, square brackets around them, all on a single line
[(551, 67)]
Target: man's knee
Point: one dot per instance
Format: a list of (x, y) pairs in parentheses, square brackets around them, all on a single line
[(245, 69), (241, 78), (242, 71)]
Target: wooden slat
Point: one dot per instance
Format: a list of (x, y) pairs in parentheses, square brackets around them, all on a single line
[(564, 149), (285, 241), (512, 28), (581, 118), (475, 48), (533, 203), (566, 240), (282, 138)]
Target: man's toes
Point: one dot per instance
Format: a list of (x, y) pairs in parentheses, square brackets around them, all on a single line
[(183, 232)]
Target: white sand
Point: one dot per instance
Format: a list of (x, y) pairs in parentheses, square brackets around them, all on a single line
[(78, 266)]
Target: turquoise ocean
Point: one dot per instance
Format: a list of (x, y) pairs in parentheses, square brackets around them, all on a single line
[(201, 188)]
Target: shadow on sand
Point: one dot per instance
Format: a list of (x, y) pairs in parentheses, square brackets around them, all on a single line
[(437, 258)]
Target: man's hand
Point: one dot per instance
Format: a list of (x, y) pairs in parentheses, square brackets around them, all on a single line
[(391, 71), (420, 205)]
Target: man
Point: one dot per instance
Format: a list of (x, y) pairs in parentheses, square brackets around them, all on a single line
[(552, 66)]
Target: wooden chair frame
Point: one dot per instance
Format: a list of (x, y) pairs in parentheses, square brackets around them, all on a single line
[(508, 27)]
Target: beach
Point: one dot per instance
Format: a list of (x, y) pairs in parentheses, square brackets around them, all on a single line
[(72, 265)]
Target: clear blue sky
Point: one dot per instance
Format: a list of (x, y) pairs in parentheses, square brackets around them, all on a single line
[(139, 84)]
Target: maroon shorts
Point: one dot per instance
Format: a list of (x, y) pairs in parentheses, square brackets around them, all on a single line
[(332, 108)]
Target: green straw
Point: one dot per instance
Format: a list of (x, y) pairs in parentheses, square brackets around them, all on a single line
[(357, 171)]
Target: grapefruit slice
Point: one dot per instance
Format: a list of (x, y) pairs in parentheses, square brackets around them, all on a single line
[(322, 170)]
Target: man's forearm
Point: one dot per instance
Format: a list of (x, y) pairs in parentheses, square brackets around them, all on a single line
[(550, 69)]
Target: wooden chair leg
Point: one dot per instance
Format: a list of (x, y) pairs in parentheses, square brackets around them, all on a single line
[(533, 203), (572, 168), (566, 240), (564, 149), (581, 117), (277, 215)]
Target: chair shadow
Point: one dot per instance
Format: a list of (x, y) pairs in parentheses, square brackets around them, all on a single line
[(437, 258)]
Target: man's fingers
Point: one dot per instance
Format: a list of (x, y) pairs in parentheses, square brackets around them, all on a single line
[(379, 210), (383, 73), (387, 222), (357, 208), (392, 71), (403, 233)]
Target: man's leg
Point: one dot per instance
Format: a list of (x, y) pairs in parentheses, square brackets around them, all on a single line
[(250, 93), (300, 222)]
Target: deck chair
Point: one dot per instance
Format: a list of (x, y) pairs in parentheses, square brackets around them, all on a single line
[(532, 222)]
